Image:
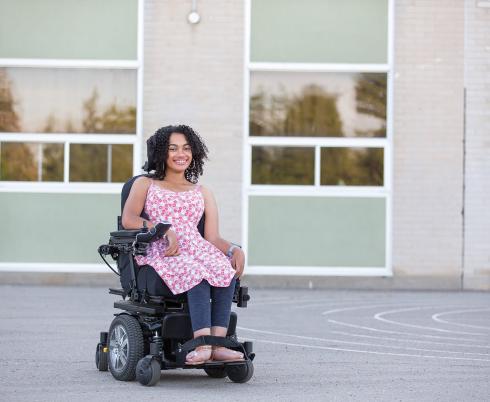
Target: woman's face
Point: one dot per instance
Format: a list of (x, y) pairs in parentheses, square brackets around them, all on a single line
[(179, 153)]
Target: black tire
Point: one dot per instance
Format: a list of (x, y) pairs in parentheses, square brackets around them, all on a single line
[(215, 372), (126, 347), (101, 360), (148, 371), (241, 372)]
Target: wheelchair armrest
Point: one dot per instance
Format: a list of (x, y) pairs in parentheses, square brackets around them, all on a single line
[(143, 235), (240, 296), (125, 236), (154, 233)]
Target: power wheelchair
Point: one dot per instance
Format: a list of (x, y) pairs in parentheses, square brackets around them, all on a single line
[(153, 332)]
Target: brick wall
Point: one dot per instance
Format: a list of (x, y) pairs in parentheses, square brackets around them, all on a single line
[(194, 75), (428, 135), (477, 166)]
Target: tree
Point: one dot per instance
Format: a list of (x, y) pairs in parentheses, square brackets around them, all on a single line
[(313, 113), (17, 160), (371, 100), (9, 120)]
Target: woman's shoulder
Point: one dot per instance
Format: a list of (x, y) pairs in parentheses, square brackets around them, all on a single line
[(207, 194), (142, 183), (204, 189)]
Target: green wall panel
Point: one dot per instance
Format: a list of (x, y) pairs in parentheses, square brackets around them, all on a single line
[(319, 31), (69, 29), (46, 227), (317, 231)]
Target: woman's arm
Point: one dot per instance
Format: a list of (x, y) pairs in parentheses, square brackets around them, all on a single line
[(135, 203), (211, 232)]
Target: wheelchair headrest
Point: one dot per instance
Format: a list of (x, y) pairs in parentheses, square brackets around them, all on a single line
[(151, 144)]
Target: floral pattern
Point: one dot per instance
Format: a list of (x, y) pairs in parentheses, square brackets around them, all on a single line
[(198, 259)]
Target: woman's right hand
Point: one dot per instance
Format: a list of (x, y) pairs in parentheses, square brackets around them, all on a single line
[(173, 244)]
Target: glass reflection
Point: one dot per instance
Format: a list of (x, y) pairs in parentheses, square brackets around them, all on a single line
[(283, 165), (88, 162), (318, 104), (101, 162), (122, 162), (44, 100), (31, 161), (351, 166)]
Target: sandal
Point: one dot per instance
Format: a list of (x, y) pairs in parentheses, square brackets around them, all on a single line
[(223, 354), (200, 355)]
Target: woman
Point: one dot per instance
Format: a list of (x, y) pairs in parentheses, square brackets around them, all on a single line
[(185, 260)]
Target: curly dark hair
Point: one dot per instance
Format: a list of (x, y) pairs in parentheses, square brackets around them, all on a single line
[(157, 150)]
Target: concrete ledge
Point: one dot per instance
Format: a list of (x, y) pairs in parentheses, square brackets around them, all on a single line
[(355, 282), (477, 282), (265, 281), (59, 279)]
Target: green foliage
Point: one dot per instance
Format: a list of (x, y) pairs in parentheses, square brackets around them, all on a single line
[(312, 113), (9, 120), (17, 162), (113, 119), (283, 165), (53, 164), (371, 100), (88, 162), (352, 166)]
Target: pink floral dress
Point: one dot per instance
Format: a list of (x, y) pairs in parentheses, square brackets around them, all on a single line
[(198, 259)]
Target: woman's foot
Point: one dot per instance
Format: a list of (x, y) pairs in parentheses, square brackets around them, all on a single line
[(200, 355), (223, 354)]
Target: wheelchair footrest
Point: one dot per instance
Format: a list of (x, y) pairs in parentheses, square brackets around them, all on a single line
[(182, 350)]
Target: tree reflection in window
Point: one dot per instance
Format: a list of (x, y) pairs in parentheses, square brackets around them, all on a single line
[(68, 100), (283, 165), (318, 104), (88, 162), (352, 166)]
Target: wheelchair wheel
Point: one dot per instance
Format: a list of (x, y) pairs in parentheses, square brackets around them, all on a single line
[(215, 372), (148, 371), (126, 347), (101, 358), (240, 373)]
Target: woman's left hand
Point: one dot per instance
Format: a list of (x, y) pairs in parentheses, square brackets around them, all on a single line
[(238, 261)]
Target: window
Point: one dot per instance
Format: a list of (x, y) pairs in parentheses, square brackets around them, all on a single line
[(68, 103), (319, 137)]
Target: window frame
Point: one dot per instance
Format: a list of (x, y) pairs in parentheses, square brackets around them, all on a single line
[(80, 138), (317, 190)]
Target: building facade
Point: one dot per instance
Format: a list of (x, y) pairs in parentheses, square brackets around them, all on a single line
[(348, 139)]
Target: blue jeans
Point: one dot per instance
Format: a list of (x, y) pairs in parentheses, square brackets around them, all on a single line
[(210, 306)]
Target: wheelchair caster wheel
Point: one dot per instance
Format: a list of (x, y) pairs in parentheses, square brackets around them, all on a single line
[(148, 371), (240, 373), (101, 360), (215, 372)]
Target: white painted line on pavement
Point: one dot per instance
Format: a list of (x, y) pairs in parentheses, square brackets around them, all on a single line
[(435, 317), (380, 317), (370, 351), (358, 343)]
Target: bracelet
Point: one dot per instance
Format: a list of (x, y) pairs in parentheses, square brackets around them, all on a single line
[(233, 246)]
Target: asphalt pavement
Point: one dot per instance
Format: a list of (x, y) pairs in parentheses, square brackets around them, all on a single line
[(317, 345)]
